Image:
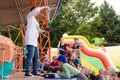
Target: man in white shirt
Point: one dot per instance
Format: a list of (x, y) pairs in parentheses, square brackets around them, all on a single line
[(31, 40)]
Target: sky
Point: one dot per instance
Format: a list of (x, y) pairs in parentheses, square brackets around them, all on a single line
[(114, 3)]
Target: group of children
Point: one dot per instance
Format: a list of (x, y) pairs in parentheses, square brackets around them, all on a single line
[(68, 64), (45, 65)]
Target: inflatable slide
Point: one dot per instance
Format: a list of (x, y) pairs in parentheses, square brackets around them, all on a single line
[(91, 56)]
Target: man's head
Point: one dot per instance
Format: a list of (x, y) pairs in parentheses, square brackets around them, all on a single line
[(86, 70), (32, 8), (73, 55), (61, 40), (76, 40), (54, 58)]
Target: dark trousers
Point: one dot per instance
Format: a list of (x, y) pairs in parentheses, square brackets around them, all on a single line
[(53, 70), (32, 56)]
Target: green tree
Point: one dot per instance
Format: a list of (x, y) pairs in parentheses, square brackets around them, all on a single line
[(84, 13), (110, 27), (64, 22), (75, 17), (90, 29), (84, 10)]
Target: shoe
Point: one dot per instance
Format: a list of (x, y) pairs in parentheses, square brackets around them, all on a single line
[(42, 72), (36, 74), (29, 75)]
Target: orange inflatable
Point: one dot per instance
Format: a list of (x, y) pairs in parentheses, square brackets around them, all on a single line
[(98, 55), (7, 48)]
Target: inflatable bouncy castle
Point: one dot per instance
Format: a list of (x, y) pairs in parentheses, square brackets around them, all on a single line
[(92, 56)]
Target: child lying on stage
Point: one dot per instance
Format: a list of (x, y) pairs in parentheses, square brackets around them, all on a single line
[(69, 71)]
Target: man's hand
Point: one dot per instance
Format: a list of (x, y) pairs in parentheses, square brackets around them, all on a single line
[(43, 7), (48, 8)]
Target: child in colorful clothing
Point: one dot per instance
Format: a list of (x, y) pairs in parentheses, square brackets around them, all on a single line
[(54, 65), (68, 70)]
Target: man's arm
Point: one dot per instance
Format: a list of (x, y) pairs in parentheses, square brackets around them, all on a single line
[(41, 31), (37, 10)]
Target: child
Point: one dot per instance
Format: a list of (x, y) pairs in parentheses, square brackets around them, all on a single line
[(67, 54), (88, 72), (110, 72), (76, 47), (54, 65), (46, 63), (76, 61), (40, 65), (61, 46), (101, 75), (69, 71)]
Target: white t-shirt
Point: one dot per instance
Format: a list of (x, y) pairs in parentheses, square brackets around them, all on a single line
[(32, 31)]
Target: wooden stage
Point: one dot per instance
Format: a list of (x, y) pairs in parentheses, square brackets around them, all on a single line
[(20, 76)]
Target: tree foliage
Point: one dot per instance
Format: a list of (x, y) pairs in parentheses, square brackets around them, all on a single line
[(74, 18), (81, 17), (110, 27)]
